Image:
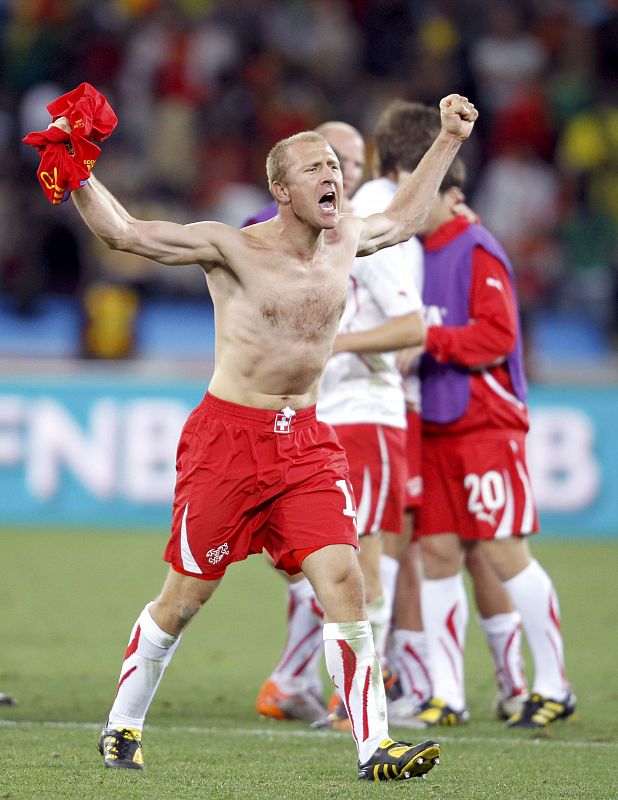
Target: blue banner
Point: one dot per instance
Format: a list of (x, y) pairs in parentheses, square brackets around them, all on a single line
[(94, 450)]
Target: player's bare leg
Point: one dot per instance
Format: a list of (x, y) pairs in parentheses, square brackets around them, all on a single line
[(354, 668), (409, 643), (152, 643), (444, 607), (534, 596), (501, 624), (293, 690)]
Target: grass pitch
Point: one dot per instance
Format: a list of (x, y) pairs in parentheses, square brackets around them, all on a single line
[(68, 601)]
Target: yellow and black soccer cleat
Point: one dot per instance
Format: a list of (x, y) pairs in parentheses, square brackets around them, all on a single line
[(539, 711), (121, 748), (399, 761), (436, 712)]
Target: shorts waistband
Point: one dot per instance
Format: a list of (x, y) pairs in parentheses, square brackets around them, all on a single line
[(260, 418)]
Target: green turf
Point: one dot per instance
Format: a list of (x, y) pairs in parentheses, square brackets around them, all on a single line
[(67, 604)]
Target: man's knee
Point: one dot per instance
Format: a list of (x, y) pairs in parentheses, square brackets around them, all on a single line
[(180, 600), (337, 579), (508, 557), (369, 560), (442, 555)]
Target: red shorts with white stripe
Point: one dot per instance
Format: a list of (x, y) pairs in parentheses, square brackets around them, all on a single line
[(378, 469), (414, 481), (477, 487), (249, 479)]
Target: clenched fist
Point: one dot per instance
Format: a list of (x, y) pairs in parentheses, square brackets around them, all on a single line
[(458, 115)]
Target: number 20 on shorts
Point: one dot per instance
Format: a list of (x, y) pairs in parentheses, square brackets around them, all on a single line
[(486, 492)]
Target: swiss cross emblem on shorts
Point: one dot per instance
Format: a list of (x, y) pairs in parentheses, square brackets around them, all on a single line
[(283, 420)]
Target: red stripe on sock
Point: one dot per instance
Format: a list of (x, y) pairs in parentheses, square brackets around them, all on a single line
[(451, 660), (124, 677), (413, 654), (132, 646), (553, 612), (302, 667), (283, 663), (348, 657), (514, 688), (291, 606), (317, 608), (365, 704), (450, 626)]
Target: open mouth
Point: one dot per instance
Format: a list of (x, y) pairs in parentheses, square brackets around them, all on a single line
[(327, 202)]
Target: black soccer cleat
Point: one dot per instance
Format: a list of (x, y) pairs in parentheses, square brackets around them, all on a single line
[(436, 712), (121, 748), (539, 711), (7, 700), (399, 761)]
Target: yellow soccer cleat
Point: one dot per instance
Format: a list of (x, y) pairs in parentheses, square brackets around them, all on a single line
[(539, 711), (399, 761), (436, 712), (121, 748)]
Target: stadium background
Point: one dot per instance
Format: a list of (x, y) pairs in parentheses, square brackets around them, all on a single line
[(91, 340)]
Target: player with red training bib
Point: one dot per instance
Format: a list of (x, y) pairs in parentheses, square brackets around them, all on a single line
[(476, 482)]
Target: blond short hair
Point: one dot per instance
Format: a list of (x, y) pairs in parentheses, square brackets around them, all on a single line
[(277, 161)]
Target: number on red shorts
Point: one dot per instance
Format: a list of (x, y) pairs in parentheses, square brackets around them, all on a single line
[(349, 510), (487, 492)]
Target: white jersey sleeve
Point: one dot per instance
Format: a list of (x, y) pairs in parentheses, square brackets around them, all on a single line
[(372, 198), (367, 387)]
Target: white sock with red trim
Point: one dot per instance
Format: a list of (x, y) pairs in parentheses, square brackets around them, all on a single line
[(354, 668), (389, 569), (411, 660), (503, 636), (298, 669), (533, 594), (444, 608), (379, 613), (149, 652)]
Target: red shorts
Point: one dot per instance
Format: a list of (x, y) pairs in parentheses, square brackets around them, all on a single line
[(377, 458), (478, 488), (414, 482), (249, 479)]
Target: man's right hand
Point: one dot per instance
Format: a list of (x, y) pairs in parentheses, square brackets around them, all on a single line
[(457, 115)]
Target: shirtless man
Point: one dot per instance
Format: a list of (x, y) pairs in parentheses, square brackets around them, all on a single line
[(255, 469)]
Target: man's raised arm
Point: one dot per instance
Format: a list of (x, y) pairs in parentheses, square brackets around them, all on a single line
[(409, 208), (165, 242)]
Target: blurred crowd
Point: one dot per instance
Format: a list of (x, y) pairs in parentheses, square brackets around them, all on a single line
[(203, 88)]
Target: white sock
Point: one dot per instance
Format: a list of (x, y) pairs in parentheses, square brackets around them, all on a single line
[(444, 608), (389, 569), (298, 669), (354, 668), (503, 635), (149, 651), (379, 613), (412, 663), (533, 595)]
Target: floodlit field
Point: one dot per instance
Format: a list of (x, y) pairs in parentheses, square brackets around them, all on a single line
[(67, 604)]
